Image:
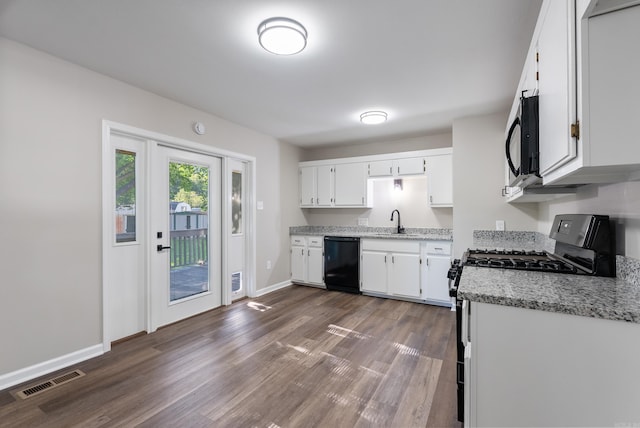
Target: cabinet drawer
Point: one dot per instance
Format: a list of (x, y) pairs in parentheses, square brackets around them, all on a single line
[(315, 241), (439, 248), (390, 245), (297, 240)]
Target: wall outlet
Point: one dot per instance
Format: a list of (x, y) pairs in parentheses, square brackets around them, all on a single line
[(499, 224), (363, 221), (268, 264)]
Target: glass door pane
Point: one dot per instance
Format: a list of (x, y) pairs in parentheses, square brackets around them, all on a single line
[(188, 230)]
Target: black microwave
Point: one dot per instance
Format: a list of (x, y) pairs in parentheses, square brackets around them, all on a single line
[(522, 145)]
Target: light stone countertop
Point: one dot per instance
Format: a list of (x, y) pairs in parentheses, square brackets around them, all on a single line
[(589, 296), (415, 234)]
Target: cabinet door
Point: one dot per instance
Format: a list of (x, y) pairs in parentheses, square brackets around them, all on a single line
[(324, 195), (404, 275), (557, 76), (436, 283), (440, 176), (315, 271), (307, 186), (373, 271), (298, 264), (380, 168), (409, 166), (350, 184)]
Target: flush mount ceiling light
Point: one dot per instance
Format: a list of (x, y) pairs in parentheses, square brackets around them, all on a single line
[(373, 117), (282, 36)]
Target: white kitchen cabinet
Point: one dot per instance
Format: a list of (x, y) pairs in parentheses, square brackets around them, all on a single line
[(556, 82), (404, 274), (373, 271), (382, 168), (390, 267), (438, 262), (402, 167), (298, 259), (409, 166), (538, 368), (351, 189), (307, 260), (586, 73), (325, 186), (440, 180), (307, 185)]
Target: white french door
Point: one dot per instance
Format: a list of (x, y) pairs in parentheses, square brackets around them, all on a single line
[(185, 234)]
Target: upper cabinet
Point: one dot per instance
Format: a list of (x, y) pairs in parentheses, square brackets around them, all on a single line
[(328, 186), (440, 180), (351, 187), (583, 62), (396, 167), (555, 53), (344, 183)]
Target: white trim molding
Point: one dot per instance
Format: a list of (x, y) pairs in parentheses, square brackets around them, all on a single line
[(28, 373), (272, 288)]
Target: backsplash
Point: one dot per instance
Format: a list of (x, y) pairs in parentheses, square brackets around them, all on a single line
[(445, 234), (521, 240)]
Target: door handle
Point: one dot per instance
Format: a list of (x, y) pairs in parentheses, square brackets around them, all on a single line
[(160, 247)]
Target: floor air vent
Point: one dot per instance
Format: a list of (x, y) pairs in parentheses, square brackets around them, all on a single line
[(51, 383)]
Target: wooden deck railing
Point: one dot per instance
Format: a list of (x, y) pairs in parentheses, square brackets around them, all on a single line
[(189, 247)]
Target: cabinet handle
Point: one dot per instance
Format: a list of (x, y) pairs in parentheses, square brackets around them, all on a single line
[(385, 259), (363, 200), (431, 199), (393, 259), (302, 252), (308, 252), (390, 170), (311, 201), (398, 170)]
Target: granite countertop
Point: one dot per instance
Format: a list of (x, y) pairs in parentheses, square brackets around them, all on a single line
[(589, 296), (416, 234)]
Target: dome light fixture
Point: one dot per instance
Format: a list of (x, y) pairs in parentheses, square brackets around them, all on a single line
[(373, 117), (282, 36)]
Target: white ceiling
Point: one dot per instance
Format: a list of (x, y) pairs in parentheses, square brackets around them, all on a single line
[(425, 62)]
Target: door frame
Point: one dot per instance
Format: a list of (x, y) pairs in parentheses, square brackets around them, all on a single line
[(249, 214)]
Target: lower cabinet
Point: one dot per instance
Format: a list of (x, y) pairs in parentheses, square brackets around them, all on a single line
[(390, 268), (307, 260), (536, 368), (438, 256), (406, 269)]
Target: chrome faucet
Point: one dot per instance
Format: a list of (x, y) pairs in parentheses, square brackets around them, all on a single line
[(400, 228)]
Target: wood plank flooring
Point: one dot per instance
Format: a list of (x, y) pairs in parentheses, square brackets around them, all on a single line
[(298, 357)]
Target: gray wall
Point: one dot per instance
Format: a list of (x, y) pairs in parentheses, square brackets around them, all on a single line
[(478, 177), (620, 201), (50, 170), (378, 148)]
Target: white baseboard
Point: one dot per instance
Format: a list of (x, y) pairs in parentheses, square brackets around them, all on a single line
[(25, 374), (272, 288)]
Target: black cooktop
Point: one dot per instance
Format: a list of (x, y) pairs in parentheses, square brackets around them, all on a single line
[(518, 259)]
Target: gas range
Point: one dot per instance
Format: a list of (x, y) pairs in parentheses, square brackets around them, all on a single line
[(519, 260), (584, 246)]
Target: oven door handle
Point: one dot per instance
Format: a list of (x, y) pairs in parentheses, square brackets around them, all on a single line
[(465, 322)]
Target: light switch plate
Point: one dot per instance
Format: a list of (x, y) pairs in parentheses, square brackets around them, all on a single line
[(260, 205), (499, 224), (363, 221)]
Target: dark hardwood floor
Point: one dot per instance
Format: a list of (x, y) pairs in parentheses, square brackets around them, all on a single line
[(298, 357)]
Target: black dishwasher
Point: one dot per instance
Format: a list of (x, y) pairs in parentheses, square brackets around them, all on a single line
[(342, 263)]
